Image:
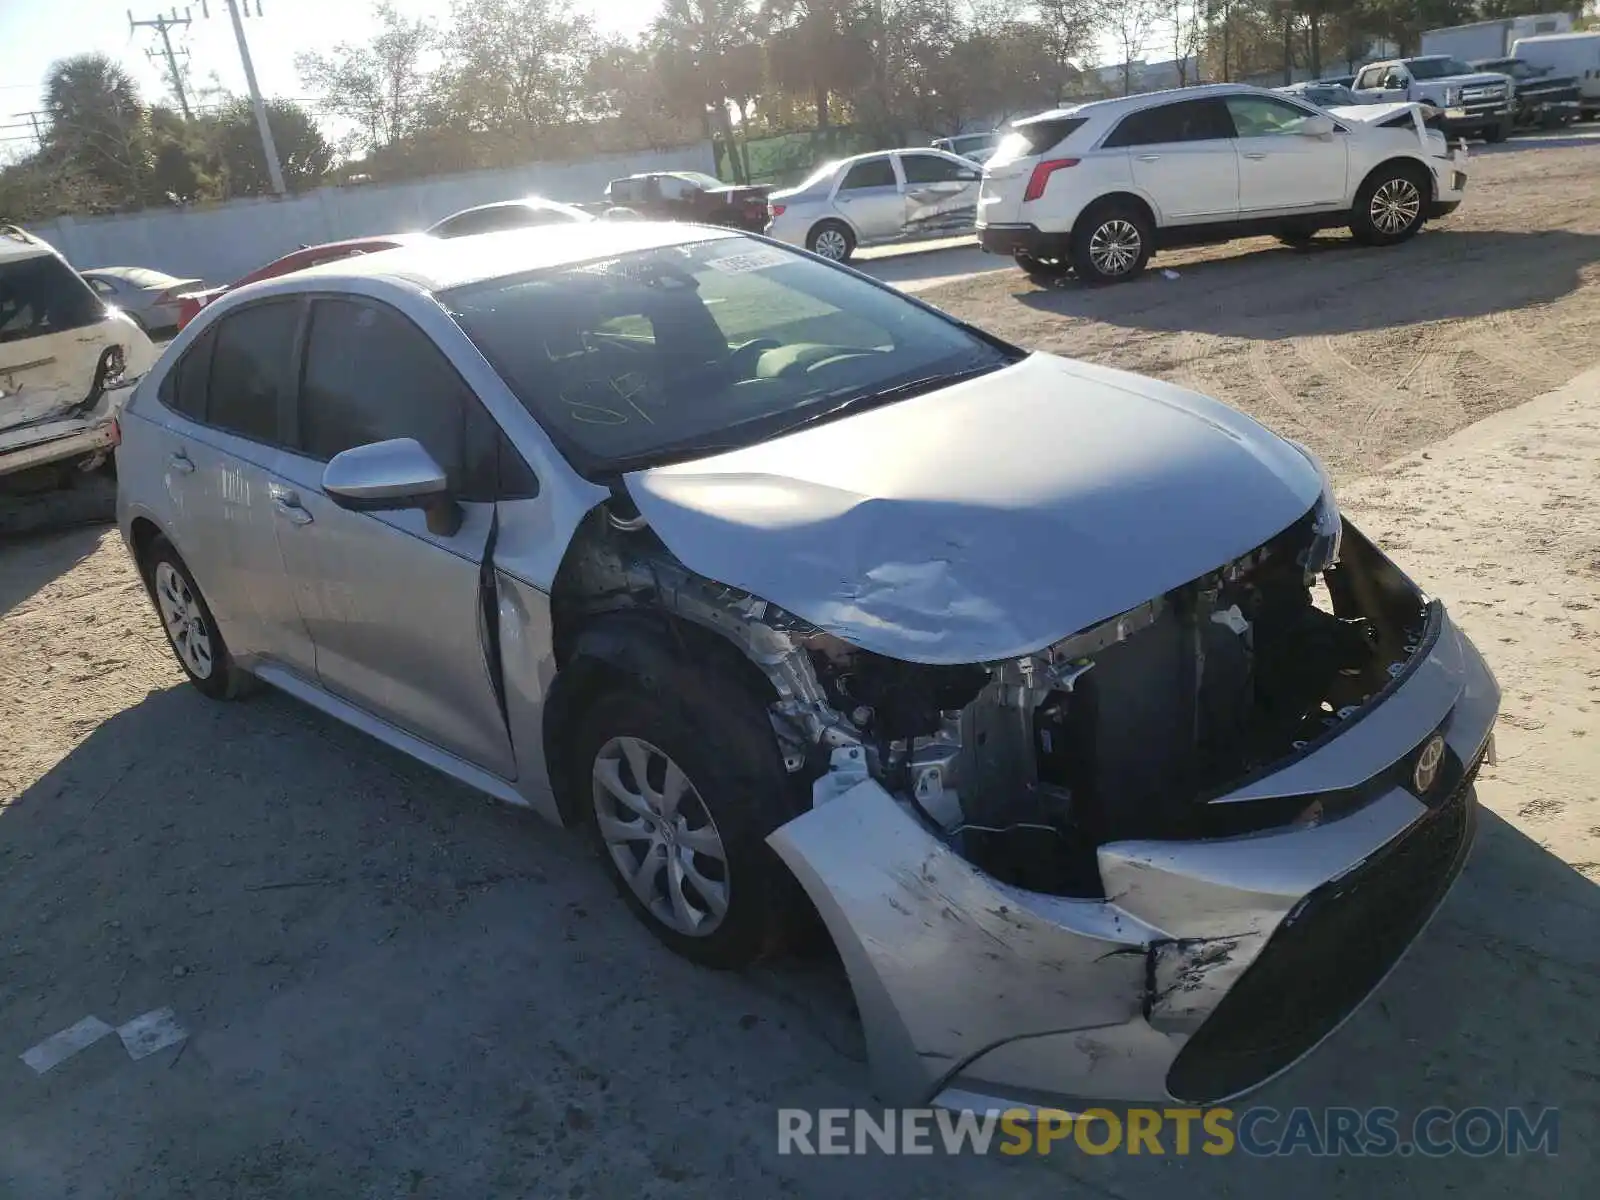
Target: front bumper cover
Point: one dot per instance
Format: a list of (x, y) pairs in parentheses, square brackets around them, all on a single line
[(976, 995)]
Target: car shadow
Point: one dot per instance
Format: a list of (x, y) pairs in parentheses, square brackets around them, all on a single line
[(1334, 285), (386, 978), (28, 564)]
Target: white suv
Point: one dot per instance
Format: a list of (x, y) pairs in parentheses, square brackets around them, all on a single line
[(1096, 189), (66, 360)]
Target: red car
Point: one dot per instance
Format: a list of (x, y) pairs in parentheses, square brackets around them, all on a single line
[(190, 303)]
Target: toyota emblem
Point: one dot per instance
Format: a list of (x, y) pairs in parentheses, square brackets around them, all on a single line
[(1427, 769)]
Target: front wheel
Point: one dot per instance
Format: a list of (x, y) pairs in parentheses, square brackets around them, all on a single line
[(1389, 208), (683, 786), (832, 240), (1111, 244), (1498, 132)]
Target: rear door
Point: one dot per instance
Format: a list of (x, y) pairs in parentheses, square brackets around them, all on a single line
[(869, 197), (1182, 157), (218, 450), (941, 195), (395, 610), (1281, 169), (51, 339)]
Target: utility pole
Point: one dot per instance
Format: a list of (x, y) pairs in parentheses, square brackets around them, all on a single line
[(269, 149), (164, 26)]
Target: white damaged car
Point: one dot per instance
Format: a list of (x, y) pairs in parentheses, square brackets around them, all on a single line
[(1117, 764)]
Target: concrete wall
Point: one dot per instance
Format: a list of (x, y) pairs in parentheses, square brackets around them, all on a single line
[(219, 243)]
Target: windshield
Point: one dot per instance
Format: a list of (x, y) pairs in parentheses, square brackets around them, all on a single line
[(700, 179), (1514, 67), (678, 352), (42, 295), (1438, 68)]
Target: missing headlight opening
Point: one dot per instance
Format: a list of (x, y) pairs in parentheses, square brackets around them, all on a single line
[(1135, 728)]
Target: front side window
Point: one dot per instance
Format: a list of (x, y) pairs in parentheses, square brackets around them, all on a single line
[(675, 352), (251, 370), (874, 172), (1261, 116), (1187, 121), (42, 295)]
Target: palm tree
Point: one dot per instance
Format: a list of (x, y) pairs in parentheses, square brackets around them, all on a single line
[(701, 45), (97, 123)]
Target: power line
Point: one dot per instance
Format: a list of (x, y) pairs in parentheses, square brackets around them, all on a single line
[(164, 26)]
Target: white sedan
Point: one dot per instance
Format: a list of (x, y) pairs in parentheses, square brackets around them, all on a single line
[(874, 199)]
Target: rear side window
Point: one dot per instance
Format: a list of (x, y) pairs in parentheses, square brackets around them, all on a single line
[(1187, 121), (185, 386), (875, 172), (42, 295), (251, 375)]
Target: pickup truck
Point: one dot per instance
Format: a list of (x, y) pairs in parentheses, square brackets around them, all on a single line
[(1538, 97), (1472, 103)]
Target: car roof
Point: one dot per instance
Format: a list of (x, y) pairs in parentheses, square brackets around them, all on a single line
[(437, 264), (1117, 105), (17, 243)]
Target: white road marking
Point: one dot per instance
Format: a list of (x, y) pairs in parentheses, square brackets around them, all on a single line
[(59, 1047), (152, 1031)]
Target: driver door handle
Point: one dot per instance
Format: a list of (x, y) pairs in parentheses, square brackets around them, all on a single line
[(286, 503), (1257, 154), (1149, 158)]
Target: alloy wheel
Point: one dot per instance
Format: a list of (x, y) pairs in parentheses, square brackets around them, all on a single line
[(185, 622), (1395, 205), (831, 243), (1115, 247), (660, 836)]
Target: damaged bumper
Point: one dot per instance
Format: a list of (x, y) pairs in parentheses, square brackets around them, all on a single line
[(1209, 966)]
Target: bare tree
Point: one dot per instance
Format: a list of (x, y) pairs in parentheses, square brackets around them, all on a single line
[(1130, 23), (380, 86)]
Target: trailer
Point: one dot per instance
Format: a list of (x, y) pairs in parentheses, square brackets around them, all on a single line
[(1492, 39)]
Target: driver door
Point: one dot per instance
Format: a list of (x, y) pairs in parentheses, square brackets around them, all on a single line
[(394, 609), (1280, 168)]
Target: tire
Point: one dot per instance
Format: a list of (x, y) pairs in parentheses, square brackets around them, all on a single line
[(1046, 270), (832, 240), (1498, 132), (198, 647), (736, 908), (1111, 243), (1390, 206)]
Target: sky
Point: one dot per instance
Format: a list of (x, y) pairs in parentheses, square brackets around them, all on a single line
[(34, 33)]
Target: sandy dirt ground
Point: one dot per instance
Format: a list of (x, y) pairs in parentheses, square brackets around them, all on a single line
[(393, 988)]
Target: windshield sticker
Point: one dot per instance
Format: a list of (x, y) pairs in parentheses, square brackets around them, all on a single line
[(750, 260)]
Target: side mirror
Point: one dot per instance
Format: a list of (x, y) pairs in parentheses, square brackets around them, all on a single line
[(386, 476), (1316, 125)]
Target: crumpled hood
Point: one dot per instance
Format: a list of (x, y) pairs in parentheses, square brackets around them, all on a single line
[(1370, 114), (989, 519)]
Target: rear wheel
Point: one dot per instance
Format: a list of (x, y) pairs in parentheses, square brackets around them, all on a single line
[(1391, 205), (831, 240), (1111, 243), (191, 629)]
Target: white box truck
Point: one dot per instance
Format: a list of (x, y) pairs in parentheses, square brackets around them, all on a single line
[(1575, 54), (1491, 39)]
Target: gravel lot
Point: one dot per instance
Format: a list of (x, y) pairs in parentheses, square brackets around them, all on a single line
[(395, 989)]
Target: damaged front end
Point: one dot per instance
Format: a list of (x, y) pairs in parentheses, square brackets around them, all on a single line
[(1165, 855)]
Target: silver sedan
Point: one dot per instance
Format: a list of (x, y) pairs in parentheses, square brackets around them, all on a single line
[(149, 297), (877, 199), (1115, 761)]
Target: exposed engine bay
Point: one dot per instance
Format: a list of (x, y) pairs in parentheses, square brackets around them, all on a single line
[(1130, 729)]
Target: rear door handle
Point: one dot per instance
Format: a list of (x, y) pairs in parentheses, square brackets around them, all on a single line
[(1149, 158), (286, 503), (1254, 154), (180, 462)]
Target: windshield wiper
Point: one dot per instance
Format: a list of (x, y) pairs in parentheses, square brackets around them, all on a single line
[(898, 391)]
